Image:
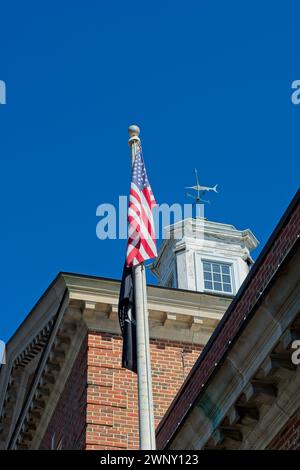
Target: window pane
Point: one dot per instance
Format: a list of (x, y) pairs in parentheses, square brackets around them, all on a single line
[(208, 285), (225, 269), (226, 278), (217, 286), (227, 287), (206, 266), (216, 268), (207, 276), (217, 276)]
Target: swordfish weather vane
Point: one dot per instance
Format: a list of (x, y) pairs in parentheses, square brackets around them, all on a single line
[(200, 191)]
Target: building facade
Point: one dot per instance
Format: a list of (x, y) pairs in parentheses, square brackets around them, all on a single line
[(220, 339), (63, 384)]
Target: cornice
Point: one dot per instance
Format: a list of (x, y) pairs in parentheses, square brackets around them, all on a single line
[(191, 316)]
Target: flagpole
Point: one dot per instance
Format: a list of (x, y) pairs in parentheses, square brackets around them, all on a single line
[(145, 398)]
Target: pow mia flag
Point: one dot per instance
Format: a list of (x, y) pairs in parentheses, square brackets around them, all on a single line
[(127, 319)]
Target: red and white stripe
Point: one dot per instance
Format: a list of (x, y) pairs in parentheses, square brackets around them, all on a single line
[(141, 243)]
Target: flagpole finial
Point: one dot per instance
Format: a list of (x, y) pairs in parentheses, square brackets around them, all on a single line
[(134, 132)]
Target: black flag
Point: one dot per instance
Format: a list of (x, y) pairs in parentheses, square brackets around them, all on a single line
[(127, 319)]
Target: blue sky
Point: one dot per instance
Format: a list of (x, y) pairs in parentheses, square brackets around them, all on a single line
[(209, 83)]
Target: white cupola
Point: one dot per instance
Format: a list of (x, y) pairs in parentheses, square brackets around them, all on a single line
[(204, 256)]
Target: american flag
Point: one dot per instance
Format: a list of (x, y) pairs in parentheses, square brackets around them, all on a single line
[(141, 243)]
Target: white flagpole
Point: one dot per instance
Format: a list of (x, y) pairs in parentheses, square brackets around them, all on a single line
[(145, 399)]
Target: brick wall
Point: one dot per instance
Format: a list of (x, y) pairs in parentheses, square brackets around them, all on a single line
[(112, 413), (68, 422), (289, 436), (98, 408)]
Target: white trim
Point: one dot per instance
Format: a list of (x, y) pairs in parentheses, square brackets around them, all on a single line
[(39, 372), (231, 275), (236, 280), (72, 355)]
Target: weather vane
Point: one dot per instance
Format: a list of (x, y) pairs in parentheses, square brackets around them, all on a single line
[(200, 191)]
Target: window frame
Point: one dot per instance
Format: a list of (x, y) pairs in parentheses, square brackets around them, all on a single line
[(200, 257), (219, 263)]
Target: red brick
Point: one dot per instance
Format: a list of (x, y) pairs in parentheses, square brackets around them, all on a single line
[(289, 436), (102, 397)]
